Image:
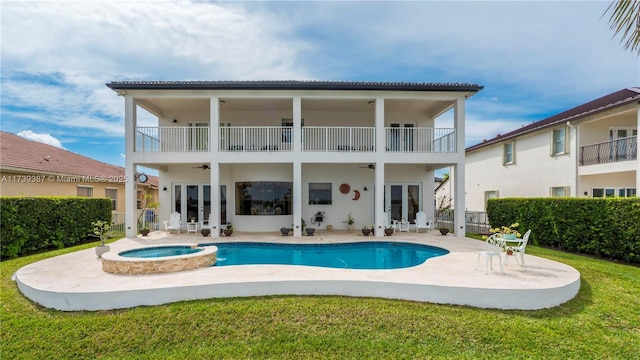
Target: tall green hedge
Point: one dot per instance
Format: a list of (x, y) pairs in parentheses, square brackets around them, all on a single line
[(608, 227), (32, 224)]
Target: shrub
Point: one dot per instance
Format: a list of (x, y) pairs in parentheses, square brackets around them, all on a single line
[(32, 224)]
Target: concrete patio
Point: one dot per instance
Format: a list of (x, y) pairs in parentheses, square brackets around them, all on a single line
[(76, 281)]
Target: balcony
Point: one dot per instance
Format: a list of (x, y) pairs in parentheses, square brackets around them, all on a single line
[(623, 149), (280, 139)]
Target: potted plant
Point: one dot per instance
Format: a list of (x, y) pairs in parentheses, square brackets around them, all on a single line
[(229, 229), (205, 232), (101, 230), (284, 231), (507, 232), (388, 231), (350, 221), (366, 230), (443, 231), (310, 231), (145, 230)]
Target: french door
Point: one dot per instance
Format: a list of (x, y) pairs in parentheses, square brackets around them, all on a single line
[(401, 139), (402, 200), (192, 201)]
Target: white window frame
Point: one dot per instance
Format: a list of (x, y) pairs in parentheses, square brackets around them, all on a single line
[(89, 190), (513, 153), (487, 197), (565, 141), (114, 201), (565, 191)]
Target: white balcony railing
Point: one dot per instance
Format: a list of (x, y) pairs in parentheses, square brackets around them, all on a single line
[(420, 140), (342, 139), (280, 139), (173, 138)]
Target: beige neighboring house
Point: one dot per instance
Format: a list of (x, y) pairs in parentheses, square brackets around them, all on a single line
[(30, 168), (588, 151)]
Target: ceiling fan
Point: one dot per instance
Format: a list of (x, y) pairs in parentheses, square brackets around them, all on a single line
[(203, 167), (370, 166)]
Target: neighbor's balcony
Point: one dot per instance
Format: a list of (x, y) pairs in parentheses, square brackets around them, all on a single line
[(280, 139), (623, 149)]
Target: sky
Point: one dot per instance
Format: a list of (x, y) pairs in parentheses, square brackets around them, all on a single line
[(534, 59)]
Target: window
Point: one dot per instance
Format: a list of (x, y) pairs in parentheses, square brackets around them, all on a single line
[(558, 142), (112, 194), (263, 198), (287, 129), (507, 153), (493, 194), (139, 197), (85, 191), (603, 192), (627, 192), (319, 193), (559, 191)]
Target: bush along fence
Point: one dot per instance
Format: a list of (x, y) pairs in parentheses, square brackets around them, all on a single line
[(32, 224), (606, 227)]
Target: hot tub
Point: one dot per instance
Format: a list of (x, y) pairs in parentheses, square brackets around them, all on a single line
[(159, 259)]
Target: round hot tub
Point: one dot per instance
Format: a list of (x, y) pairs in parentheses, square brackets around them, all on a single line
[(159, 259)]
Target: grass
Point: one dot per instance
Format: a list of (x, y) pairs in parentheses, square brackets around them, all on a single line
[(602, 322)]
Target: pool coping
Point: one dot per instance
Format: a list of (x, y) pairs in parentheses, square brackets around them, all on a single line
[(76, 281)]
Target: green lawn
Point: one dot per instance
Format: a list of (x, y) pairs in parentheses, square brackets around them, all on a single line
[(602, 322)]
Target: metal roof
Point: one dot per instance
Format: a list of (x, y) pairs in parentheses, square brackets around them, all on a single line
[(618, 98), (292, 85)]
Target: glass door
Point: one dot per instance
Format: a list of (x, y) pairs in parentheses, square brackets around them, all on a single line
[(402, 201)]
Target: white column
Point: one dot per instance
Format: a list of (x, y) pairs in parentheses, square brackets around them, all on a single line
[(380, 165), (428, 194), (130, 208), (638, 157), (459, 170), (297, 198), (214, 174), (297, 125)]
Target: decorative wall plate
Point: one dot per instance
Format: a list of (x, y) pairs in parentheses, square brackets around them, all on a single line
[(345, 188)]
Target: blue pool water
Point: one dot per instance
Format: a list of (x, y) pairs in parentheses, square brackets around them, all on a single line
[(160, 251), (361, 255)]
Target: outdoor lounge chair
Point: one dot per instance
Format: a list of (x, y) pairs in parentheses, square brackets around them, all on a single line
[(173, 223), (494, 246), (387, 221), (518, 249), (422, 222)]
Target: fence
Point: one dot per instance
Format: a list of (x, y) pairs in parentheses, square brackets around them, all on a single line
[(476, 222), (149, 219)]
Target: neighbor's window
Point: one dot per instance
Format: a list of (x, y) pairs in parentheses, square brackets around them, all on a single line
[(507, 153), (558, 142), (493, 194), (603, 192), (112, 194), (319, 193), (85, 191), (627, 192), (263, 198), (559, 191), (139, 198)]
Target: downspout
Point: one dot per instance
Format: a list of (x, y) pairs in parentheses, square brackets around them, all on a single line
[(577, 154)]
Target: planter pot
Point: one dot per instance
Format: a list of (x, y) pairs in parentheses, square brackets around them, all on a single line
[(144, 232), (509, 236), (349, 227), (444, 231), (102, 249), (205, 232), (310, 231), (366, 232), (509, 252), (388, 232), (227, 232), (284, 231)]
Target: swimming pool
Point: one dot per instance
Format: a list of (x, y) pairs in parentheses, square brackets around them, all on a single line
[(360, 255), (160, 251)]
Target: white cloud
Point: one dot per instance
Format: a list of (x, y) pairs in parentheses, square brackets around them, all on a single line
[(42, 138)]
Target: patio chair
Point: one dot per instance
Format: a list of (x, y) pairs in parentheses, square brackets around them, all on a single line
[(518, 249), (422, 222), (173, 223), (206, 224), (387, 221), (494, 246)]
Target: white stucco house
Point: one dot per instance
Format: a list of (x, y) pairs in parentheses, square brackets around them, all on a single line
[(588, 151), (279, 152)]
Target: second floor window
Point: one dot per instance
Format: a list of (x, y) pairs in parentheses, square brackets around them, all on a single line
[(558, 146), (508, 153)]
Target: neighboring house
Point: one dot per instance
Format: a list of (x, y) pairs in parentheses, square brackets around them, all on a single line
[(30, 168), (281, 152), (588, 151)]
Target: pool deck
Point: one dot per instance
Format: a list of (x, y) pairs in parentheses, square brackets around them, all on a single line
[(76, 281)]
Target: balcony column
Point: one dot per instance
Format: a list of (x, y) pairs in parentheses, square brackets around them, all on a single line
[(297, 166), (380, 164), (637, 157), (214, 174), (130, 208), (458, 169)]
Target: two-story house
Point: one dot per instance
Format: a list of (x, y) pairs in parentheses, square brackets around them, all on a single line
[(590, 151), (269, 154)]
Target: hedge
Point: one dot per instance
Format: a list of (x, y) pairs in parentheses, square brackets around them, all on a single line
[(32, 224), (606, 227)]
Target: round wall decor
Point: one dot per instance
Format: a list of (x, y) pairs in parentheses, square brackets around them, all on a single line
[(345, 188)]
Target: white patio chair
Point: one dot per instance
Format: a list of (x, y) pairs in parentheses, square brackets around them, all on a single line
[(386, 218), (494, 246), (422, 222), (206, 224), (173, 223), (518, 249)]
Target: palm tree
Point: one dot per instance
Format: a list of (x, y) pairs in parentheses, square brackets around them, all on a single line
[(625, 19)]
